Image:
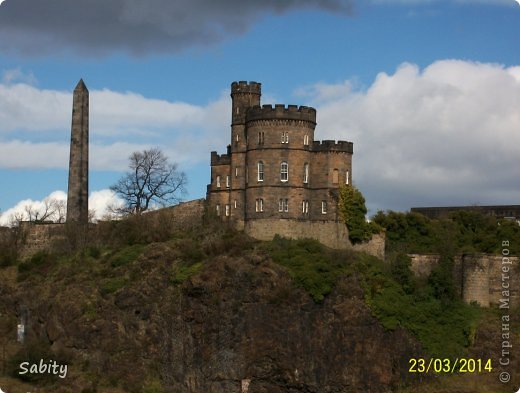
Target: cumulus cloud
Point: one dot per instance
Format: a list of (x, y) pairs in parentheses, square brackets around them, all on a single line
[(100, 203), (35, 127), (99, 26), (444, 135)]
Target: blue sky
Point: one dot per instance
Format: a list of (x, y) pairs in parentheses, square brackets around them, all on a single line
[(428, 91)]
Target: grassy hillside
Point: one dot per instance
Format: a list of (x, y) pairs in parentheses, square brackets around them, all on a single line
[(116, 258)]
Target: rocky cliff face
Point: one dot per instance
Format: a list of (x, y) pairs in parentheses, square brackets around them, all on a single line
[(239, 325)]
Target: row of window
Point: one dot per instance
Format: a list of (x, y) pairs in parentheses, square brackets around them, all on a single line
[(284, 138), (284, 174), (283, 206)]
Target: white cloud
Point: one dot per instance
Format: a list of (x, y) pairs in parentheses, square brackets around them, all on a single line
[(447, 134), (35, 127), (99, 203)]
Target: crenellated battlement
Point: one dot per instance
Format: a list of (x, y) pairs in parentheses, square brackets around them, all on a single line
[(220, 159), (246, 87), (330, 145), (280, 111)]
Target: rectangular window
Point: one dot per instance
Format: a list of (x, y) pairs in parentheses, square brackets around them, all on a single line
[(260, 171), (323, 207), (284, 171), (305, 207), (259, 205), (306, 173), (228, 209), (218, 181), (346, 178), (261, 138), (235, 203), (285, 137), (306, 140), (335, 176), (283, 205), (228, 181), (218, 210), (236, 172)]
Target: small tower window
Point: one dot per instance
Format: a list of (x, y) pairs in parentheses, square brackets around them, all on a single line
[(285, 137), (346, 178), (218, 181), (218, 210), (261, 138), (228, 210), (236, 171), (259, 205), (237, 137), (323, 207), (306, 140), (306, 173), (335, 176), (260, 171), (305, 207), (228, 181), (284, 171), (235, 203)]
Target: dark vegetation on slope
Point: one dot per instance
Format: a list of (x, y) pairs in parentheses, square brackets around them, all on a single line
[(109, 259)]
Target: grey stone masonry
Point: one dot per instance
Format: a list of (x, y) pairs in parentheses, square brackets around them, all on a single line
[(77, 198)]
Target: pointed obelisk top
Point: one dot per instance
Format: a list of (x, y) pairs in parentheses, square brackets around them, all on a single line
[(81, 86)]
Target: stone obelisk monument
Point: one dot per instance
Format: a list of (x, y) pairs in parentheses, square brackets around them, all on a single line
[(77, 197)]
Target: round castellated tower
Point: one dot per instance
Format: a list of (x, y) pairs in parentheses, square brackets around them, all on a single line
[(278, 160)]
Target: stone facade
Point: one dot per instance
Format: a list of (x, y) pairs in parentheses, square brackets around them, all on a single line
[(479, 277), (275, 177), (77, 196)]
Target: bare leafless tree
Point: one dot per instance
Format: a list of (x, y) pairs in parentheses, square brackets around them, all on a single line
[(49, 209), (151, 181)]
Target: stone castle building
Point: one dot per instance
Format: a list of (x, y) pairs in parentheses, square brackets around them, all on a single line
[(276, 177)]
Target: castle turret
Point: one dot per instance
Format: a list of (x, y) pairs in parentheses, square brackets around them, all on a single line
[(77, 197), (244, 95)]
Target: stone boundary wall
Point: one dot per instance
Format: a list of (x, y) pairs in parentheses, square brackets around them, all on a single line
[(188, 214), (38, 237), (480, 277), (331, 234)]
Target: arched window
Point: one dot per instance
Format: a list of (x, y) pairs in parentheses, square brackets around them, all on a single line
[(260, 171), (306, 173), (284, 171), (335, 176)]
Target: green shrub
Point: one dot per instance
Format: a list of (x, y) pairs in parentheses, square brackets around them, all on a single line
[(182, 273), (113, 285), (126, 255), (310, 264), (353, 211), (445, 326)]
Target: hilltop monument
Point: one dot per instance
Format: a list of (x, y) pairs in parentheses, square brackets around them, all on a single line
[(77, 197)]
